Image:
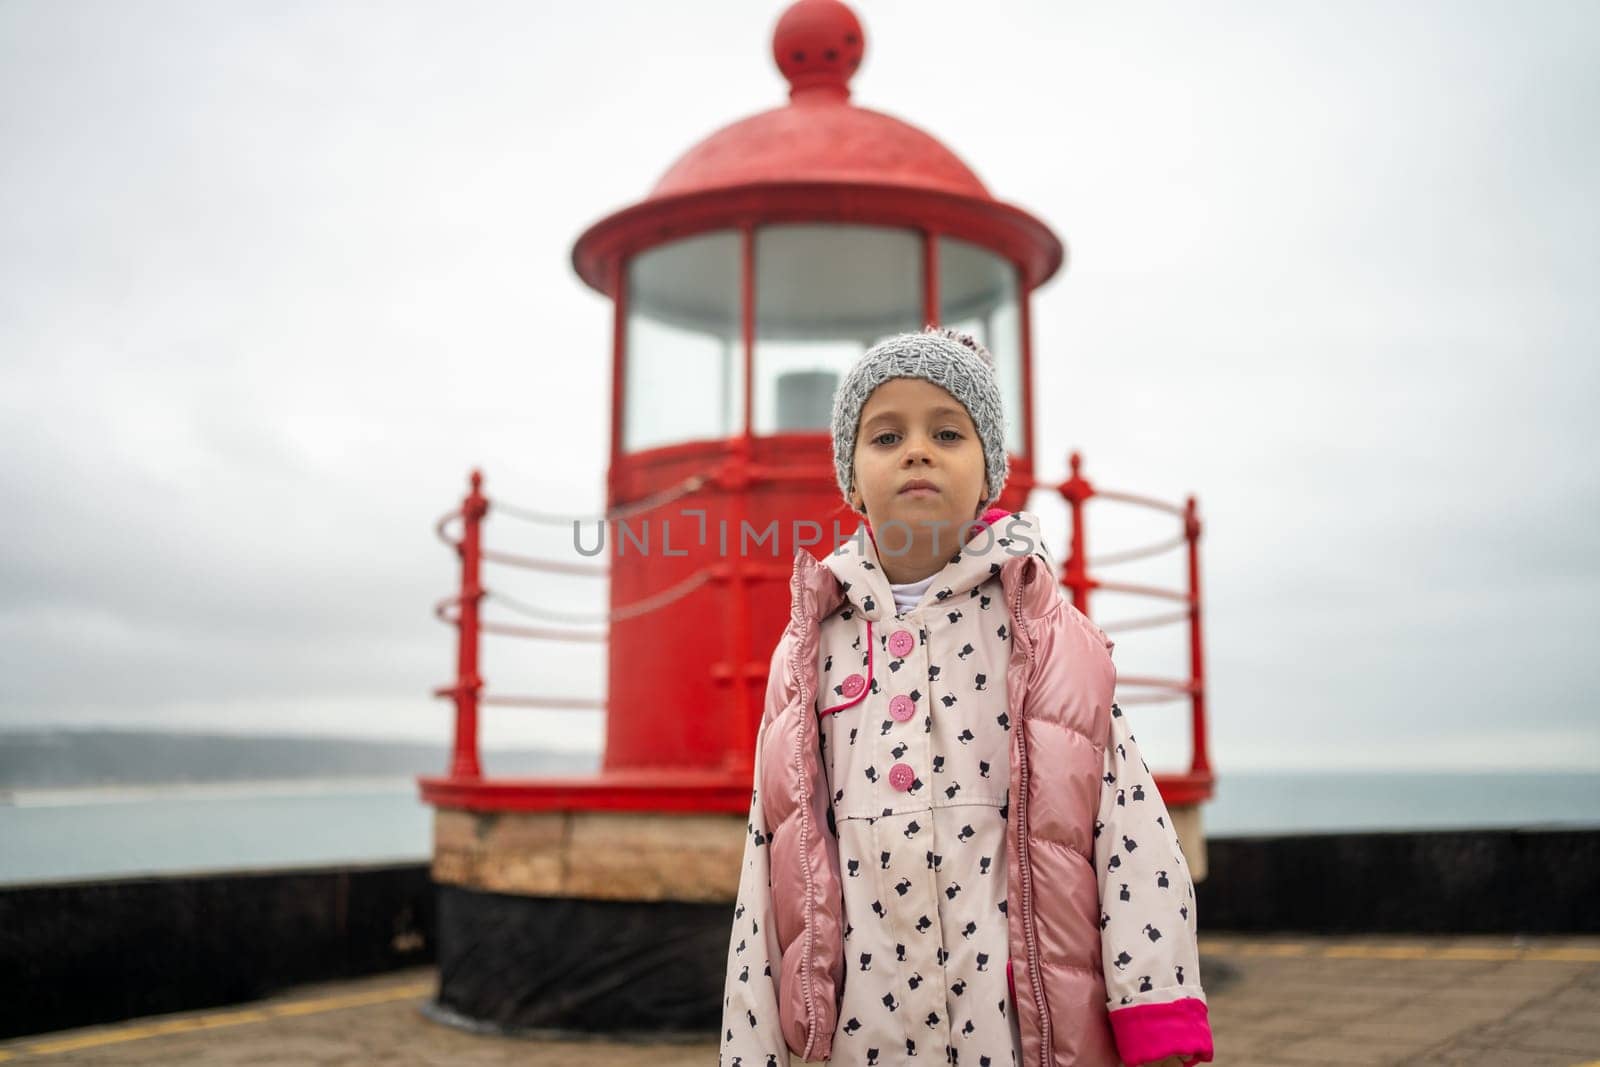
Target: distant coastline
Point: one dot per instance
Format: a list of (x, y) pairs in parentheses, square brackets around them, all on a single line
[(51, 761), (79, 795)]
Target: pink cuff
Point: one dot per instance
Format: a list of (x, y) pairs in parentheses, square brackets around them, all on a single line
[(1149, 1032)]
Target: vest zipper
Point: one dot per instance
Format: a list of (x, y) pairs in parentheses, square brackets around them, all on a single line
[(1046, 1052), (805, 818)]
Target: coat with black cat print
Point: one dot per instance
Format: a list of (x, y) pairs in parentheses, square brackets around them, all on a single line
[(955, 848)]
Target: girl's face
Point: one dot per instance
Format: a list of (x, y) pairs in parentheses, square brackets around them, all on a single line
[(912, 431)]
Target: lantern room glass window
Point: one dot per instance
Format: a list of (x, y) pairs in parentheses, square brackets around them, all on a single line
[(683, 353), (978, 294), (825, 293)]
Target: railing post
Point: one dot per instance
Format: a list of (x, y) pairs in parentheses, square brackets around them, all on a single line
[(1191, 527), (1076, 489), (464, 759)]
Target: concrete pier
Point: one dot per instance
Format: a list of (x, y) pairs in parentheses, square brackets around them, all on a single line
[(1482, 1001)]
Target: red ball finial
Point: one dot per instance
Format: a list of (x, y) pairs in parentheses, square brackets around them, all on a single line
[(818, 45)]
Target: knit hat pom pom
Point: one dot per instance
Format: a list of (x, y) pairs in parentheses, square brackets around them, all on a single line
[(965, 339)]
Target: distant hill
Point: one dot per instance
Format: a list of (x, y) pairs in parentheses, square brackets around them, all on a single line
[(59, 759)]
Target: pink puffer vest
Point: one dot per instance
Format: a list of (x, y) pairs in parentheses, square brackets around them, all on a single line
[(1059, 683)]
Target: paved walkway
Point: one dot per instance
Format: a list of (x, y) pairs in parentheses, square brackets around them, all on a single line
[(1274, 1002)]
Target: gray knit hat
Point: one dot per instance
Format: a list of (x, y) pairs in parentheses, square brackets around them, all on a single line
[(953, 361)]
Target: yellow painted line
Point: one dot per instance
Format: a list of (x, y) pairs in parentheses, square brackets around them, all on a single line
[(218, 1020), (350, 1000), (1567, 955), (1377, 951), (1279, 950), (144, 1030), (1476, 952)]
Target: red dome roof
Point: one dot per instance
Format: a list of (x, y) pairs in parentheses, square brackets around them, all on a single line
[(821, 158), (819, 135), (827, 141)]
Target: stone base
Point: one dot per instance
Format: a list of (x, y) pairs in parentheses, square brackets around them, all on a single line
[(629, 855), (637, 856)]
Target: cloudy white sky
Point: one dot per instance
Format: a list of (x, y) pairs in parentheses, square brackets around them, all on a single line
[(274, 276)]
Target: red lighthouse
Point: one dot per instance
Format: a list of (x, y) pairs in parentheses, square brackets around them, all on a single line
[(760, 266)]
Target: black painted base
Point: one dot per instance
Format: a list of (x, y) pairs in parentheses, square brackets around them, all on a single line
[(546, 965), (77, 953)]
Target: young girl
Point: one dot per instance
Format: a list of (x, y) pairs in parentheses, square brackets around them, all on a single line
[(955, 851)]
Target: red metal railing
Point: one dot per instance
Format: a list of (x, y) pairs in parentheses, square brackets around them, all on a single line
[(467, 690), (1190, 787), (1195, 785), (464, 756)]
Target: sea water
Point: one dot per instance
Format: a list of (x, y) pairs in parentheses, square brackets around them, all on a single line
[(53, 835), (87, 833)]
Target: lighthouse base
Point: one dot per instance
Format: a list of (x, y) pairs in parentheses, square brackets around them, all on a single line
[(598, 922), (572, 922)]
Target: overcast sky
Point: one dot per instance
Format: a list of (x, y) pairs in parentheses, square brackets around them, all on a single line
[(274, 276)]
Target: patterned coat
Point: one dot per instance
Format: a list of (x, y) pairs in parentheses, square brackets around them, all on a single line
[(955, 848)]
